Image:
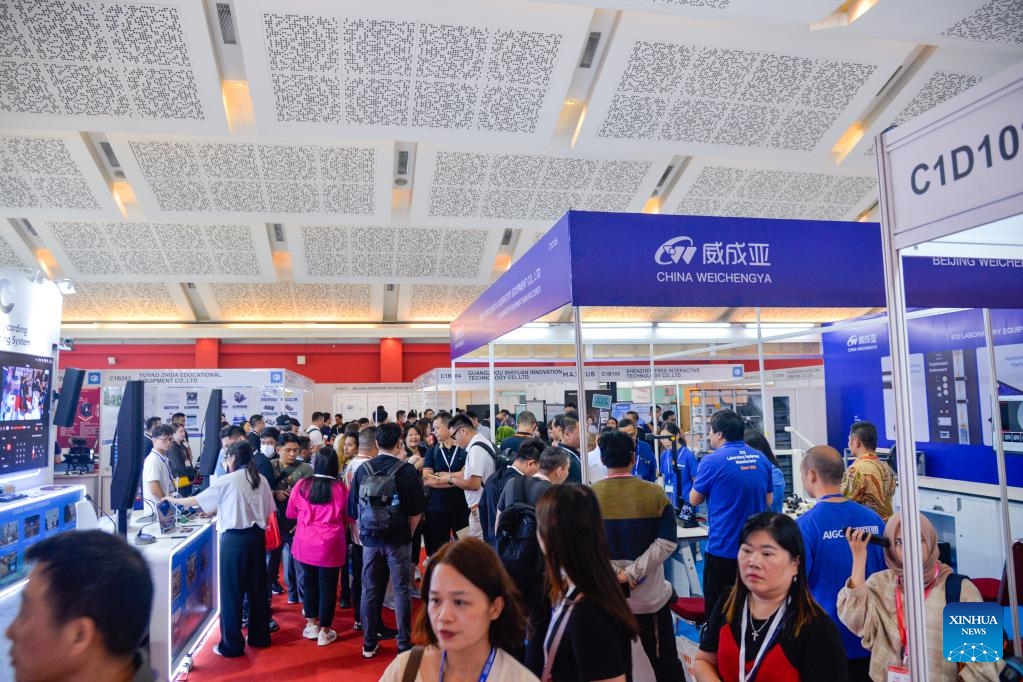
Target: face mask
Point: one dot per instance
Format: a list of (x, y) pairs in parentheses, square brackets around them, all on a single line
[(267, 449)]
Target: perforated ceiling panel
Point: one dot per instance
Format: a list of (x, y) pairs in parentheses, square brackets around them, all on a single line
[(39, 173), (948, 72), (140, 301), (13, 253), (147, 66), (442, 66), (720, 190), (140, 252), (731, 90), (999, 21), (337, 253), (257, 179), (435, 302), (291, 302), (506, 189)]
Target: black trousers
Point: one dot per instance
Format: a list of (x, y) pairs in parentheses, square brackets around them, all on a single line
[(243, 574), (859, 669), (355, 558), (346, 578), (718, 578), (657, 635), (441, 525), (319, 586)]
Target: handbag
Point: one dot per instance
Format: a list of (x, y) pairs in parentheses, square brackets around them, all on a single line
[(273, 532)]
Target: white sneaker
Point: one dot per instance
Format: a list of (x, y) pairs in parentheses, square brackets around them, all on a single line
[(326, 638), (311, 631)]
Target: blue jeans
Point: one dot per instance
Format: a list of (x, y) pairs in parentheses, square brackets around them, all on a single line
[(376, 561)]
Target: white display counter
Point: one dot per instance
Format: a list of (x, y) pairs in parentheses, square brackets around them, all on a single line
[(186, 597), (967, 516)]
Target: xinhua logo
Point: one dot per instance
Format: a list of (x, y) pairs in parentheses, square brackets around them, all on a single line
[(972, 632), (675, 250)]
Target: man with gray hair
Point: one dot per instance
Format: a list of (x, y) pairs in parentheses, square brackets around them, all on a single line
[(828, 558)]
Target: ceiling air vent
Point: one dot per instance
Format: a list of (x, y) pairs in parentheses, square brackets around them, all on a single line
[(506, 238), (390, 287), (590, 51), (403, 162), (108, 152), (891, 79), (665, 176), (28, 228), (190, 285), (226, 23), (279, 232)]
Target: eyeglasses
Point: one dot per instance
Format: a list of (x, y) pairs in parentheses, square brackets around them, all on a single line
[(455, 432)]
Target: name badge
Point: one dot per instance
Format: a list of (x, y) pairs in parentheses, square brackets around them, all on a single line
[(898, 673)]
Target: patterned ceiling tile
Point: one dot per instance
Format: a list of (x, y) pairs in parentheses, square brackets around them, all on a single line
[(407, 73), (941, 86), (42, 173), (757, 98), (11, 256), (394, 254), (998, 21), (533, 186), (133, 61), (757, 193), (257, 178), (440, 303), (140, 252), (140, 301), (288, 301)]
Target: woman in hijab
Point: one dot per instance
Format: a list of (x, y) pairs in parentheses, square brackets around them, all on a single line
[(874, 608)]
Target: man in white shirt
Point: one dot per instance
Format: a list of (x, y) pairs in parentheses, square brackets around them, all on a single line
[(315, 432), (481, 428), (157, 482), (479, 465)]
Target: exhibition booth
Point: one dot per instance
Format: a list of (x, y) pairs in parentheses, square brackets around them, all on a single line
[(952, 211)]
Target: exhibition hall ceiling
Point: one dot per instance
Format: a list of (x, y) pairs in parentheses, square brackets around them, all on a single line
[(195, 163)]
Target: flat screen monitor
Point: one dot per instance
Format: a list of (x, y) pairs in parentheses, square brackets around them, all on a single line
[(1012, 422), (25, 385)]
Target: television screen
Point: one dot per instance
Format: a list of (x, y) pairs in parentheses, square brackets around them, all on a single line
[(25, 385)]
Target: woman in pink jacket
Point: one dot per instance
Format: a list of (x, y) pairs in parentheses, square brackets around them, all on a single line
[(319, 503)]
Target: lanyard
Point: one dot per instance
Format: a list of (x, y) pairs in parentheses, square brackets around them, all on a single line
[(830, 496), (768, 641), (166, 466), (899, 611), (619, 476), (486, 666), (447, 459)]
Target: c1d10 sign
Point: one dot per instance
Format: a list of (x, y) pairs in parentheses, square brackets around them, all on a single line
[(635, 259)]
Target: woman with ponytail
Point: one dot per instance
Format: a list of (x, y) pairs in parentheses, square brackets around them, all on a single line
[(243, 502), (319, 504)]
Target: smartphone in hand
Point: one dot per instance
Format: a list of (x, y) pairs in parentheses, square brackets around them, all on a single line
[(874, 539)]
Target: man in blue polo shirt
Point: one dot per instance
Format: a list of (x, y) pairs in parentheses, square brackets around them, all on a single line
[(828, 559), (735, 480)]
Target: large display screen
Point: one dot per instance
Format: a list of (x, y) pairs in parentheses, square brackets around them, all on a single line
[(26, 382)]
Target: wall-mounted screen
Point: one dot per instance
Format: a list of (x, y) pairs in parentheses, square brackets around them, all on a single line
[(26, 382), (1012, 422)]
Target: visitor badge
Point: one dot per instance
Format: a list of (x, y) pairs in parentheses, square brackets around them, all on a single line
[(898, 673)]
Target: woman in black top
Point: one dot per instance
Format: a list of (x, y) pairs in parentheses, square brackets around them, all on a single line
[(769, 619), (591, 630)]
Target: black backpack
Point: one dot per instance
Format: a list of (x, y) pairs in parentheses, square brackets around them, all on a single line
[(515, 540), (380, 516), (502, 460)]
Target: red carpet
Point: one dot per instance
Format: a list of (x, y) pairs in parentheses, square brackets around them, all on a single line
[(291, 657)]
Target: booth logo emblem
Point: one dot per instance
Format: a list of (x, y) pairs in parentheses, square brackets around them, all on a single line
[(677, 249), (972, 632)]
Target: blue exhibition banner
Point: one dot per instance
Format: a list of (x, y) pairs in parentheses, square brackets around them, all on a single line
[(536, 284), (963, 282), (630, 259)]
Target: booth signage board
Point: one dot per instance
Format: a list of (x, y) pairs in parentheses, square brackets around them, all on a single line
[(536, 284), (963, 282), (723, 262), (958, 166), (29, 314), (470, 376)]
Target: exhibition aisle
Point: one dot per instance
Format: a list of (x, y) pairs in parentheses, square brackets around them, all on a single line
[(291, 657)]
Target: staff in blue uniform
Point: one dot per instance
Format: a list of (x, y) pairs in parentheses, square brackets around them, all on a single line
[(678, 466), (646, 463), (758, 441)]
